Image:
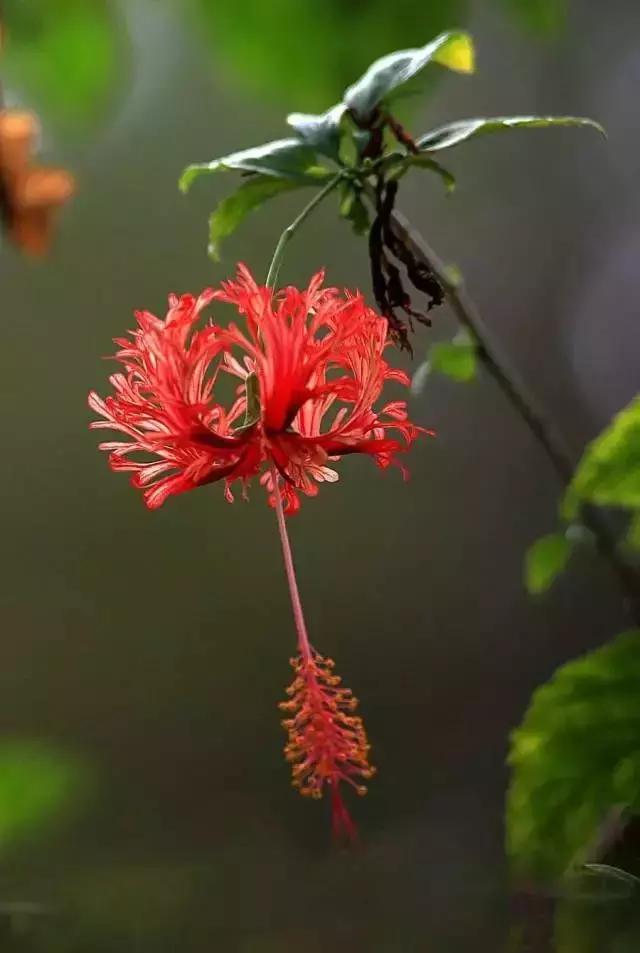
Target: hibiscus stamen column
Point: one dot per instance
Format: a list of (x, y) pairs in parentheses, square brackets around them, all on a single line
[(327, 743)]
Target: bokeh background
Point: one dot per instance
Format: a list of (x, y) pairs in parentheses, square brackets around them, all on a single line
[(152, 648)]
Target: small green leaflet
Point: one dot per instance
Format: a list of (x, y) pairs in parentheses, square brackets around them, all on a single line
[(284, 158), (545, 560), (347, 146), (452, 134), (457, 359), (575, 759), (232, 211), (608, 473), (453, 50), (352, 207)]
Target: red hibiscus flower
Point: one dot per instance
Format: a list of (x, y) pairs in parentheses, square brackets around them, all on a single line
[(307, 370), (310, 368)]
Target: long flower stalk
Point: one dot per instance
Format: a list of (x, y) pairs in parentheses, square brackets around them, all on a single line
[(304, 647), (327, 744)]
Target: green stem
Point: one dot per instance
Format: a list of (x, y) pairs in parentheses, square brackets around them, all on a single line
[(290, 230)]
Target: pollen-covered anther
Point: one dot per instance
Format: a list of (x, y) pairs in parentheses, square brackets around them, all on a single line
[(287, 706), (327, 745)]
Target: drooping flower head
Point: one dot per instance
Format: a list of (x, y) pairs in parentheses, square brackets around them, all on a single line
[(307, 371), (309, 367)]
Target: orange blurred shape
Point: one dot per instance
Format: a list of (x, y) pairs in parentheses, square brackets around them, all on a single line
[(30, 194), (18, 131)]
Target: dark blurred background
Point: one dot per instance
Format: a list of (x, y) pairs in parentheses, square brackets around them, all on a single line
[(153, 647)]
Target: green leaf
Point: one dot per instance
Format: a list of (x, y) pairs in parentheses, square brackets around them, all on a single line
[(347, 147), (397, 165), (233, 210), (457, 53), (284, 159), (324, 131), (575, 759), (359, 217), (545, 560), (608, 473), (347, 198), (457, 358), (321, 132), (444, 137), (37, 784), (453, 50), (353, 208)]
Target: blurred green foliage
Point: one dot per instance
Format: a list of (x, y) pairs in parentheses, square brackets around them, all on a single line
[(542, 17), (456, 359), (64, 59), (305, 53), (574, 759), (609, 472), (545, 560), (38, 785)]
